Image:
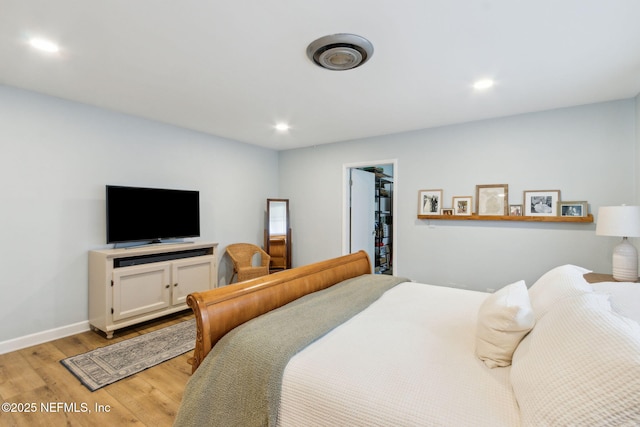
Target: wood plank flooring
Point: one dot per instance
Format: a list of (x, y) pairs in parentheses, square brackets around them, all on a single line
[(43, 392)]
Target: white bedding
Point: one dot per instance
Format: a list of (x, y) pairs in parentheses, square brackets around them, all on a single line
[(426, 334)]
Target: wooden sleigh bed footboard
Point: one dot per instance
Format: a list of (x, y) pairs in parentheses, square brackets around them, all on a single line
[(220, 310)]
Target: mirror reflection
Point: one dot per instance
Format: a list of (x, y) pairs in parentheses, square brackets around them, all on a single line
[(278, 234)]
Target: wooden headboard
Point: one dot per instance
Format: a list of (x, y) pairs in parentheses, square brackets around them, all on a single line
[(219, 310)]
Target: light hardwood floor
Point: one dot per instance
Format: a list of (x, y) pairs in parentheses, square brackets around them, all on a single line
[(34, 378)]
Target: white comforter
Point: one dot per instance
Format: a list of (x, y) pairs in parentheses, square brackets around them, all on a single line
[(407, 360)]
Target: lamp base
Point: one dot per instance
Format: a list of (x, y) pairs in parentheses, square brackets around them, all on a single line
[(625, 262)]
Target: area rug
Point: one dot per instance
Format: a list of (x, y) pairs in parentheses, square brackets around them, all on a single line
[(106, 365)]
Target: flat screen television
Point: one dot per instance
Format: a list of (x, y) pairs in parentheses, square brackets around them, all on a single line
[(136, 214)]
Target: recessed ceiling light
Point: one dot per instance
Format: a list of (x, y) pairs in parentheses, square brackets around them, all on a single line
[(45, 45), (282, 127), (483, 84), (340, 52)]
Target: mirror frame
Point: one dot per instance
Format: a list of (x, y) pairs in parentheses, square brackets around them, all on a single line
[(267, 231)]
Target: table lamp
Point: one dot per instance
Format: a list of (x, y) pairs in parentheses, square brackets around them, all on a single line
[(622, 221)]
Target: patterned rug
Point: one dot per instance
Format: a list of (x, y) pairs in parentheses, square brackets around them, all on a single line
[(106, 365)]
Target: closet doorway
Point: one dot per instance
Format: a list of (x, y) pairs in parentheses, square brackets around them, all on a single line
[(369, 210)]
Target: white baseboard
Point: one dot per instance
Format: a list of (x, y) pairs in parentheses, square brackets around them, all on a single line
[(41, 337)]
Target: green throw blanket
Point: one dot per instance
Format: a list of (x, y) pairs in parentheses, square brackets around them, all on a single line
[(239, 382)]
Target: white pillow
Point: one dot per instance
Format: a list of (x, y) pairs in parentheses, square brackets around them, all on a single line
[(579, 366), (504, 318), (624, 297), (556, 284)]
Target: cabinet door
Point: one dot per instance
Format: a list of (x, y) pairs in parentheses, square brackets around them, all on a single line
[(192, 275), (141, 289)]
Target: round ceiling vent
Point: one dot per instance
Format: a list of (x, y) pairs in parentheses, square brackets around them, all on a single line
[(340, 51)]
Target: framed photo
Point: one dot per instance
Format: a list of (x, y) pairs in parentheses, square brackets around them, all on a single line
[(492, 199), (447, 212), (429, 202), (572, 209), (462, 205), (515, 210), (541, 202)]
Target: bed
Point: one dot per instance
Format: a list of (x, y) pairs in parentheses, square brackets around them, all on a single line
[(330, 344)]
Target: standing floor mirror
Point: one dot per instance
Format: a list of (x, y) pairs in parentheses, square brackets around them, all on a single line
[(277, 234)]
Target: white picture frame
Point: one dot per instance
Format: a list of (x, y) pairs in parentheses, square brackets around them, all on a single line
[(541, 202), (429, 202)]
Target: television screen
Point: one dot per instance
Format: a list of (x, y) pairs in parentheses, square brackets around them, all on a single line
[(139, 214)]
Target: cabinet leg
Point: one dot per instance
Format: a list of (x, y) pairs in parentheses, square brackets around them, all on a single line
[(109, 335)]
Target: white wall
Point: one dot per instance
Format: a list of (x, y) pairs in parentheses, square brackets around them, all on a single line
[(56, 158), (587, 152), (637, 177)]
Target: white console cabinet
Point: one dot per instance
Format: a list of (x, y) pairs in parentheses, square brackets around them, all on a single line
[(133, 285)]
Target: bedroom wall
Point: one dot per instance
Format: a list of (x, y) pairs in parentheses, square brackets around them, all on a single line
[(55, 160), (637, 177), (587, 152)]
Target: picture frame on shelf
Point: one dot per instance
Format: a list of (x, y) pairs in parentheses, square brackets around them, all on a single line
[(541, 202), (492, 199), (515, 210), (429, 202), (447, 212), (462, 205), (573, 209)]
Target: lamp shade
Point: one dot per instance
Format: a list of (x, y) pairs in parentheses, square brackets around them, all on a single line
[(621, 221)]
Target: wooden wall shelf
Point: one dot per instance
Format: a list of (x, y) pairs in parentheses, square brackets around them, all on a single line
[(474, 217)]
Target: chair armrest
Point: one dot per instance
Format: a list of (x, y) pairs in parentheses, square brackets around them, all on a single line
[(265, 258)]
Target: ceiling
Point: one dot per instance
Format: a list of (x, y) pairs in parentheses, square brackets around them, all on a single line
[(236, 68)]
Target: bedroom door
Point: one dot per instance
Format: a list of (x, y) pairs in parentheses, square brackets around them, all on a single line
[(362, 212)]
